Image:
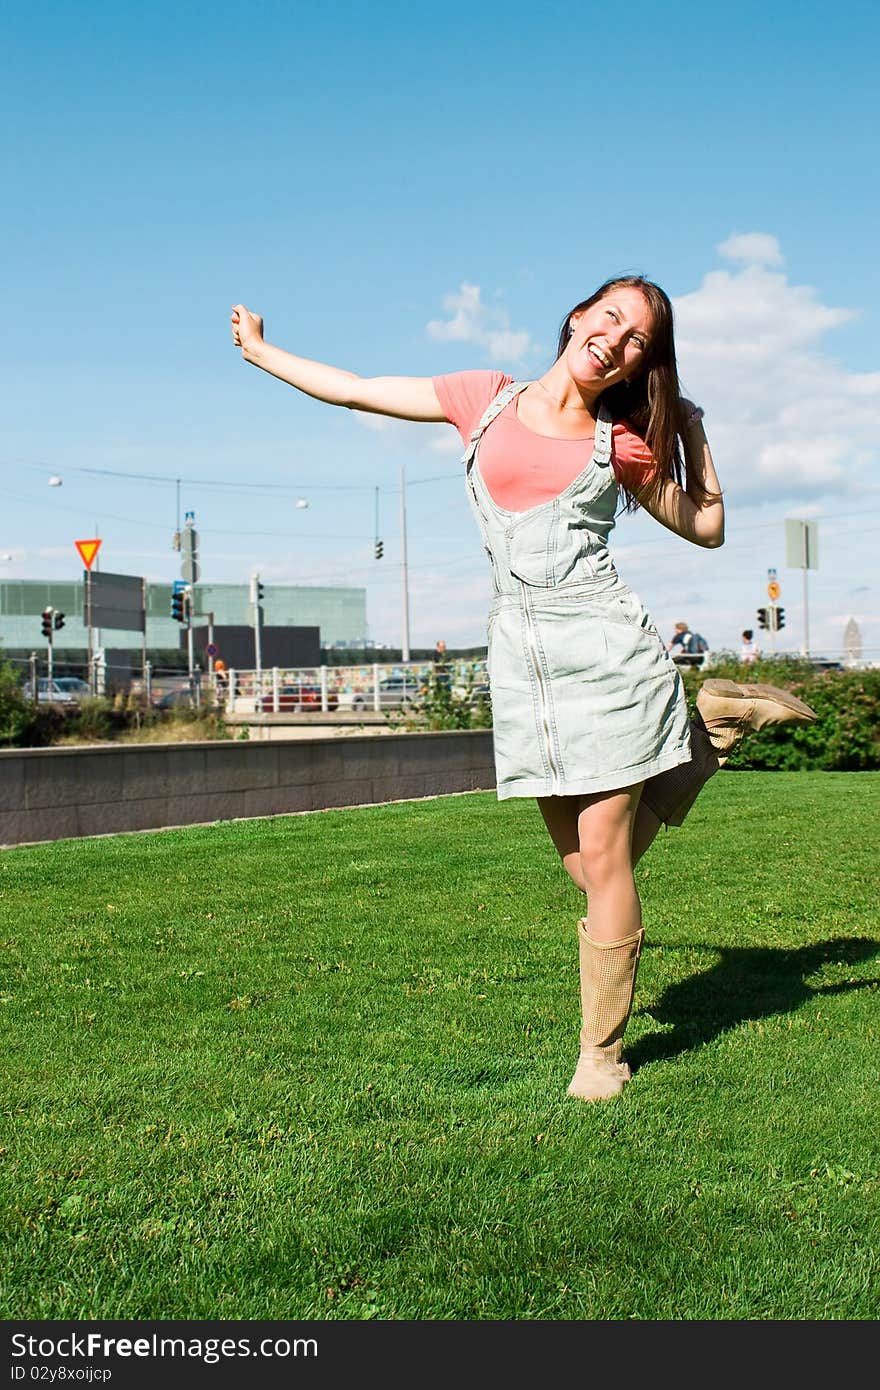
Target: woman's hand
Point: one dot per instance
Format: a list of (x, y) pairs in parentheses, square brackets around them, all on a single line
[(247, 328)]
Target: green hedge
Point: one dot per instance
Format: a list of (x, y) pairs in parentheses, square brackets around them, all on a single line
[(22, 723), (845, 736)]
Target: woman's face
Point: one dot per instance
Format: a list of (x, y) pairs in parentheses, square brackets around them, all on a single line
[(609, 340)]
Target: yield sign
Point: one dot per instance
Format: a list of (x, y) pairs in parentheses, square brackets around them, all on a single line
[(87, 550)]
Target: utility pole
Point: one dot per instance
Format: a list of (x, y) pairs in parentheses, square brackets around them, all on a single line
[(189, 573), (404, 653), (802, 552), (257, 612), (90, 657), (190, 651), (144, 633), (48, 628), (773, 592)]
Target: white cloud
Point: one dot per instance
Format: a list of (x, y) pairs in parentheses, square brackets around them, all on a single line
[(472, 321), (755, 248), (783, 416)]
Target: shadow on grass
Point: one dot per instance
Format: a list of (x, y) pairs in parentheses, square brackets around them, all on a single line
[(747, 983)]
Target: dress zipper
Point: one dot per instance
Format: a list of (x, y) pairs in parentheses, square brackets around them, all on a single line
[(543, 702)]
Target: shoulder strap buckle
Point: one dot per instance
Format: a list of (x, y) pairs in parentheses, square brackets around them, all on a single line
[(493, 409)]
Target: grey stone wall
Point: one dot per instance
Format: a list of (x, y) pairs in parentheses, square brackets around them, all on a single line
[(61, 793)]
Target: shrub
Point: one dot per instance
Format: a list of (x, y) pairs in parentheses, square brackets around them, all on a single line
[(22, 723), (845, 736), (439, 707)]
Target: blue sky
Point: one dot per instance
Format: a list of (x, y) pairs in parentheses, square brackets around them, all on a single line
[(360, 175)]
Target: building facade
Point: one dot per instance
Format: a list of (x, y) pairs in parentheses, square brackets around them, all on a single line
[(339, 613)]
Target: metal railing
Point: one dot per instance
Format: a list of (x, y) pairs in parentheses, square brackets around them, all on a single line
[(330, 689)]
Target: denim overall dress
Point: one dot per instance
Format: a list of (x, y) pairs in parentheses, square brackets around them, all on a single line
[(585, 697)]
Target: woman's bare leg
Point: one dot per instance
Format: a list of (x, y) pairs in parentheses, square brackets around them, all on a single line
[(561, 819), (609, 945), (605, 836)]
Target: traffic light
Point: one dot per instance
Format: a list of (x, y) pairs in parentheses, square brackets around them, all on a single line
[(763, 618), (379, 549), (47, 622), (178, 605), (780, 618), (58, 621)]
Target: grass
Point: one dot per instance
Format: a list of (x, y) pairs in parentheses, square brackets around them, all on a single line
[(314, 1067)]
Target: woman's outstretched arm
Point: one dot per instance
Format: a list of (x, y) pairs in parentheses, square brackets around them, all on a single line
[(695, 511), (405, 397)]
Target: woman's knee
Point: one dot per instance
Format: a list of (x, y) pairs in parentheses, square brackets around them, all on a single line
[(605, 867), (605, 843)]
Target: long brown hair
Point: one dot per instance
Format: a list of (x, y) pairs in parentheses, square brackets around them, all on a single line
[(650, 401)]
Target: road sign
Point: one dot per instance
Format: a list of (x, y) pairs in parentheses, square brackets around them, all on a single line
[(802, 545), (211, 649), (87, 551), (190, 570), (116, 601), (773, 589), (178, 585)]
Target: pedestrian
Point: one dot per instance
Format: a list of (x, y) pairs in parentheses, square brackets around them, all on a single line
[(749, 651), (686, 646), (589, 712), (681, 638)]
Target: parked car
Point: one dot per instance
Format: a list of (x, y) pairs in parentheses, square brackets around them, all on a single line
[(174, 699), (825, 663), (62, 690), (394, 692), (300, 699)]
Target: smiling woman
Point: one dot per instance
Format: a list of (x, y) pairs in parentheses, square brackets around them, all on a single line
[(589, 711)]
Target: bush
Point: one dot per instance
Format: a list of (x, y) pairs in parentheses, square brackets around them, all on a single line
[(845, 736), (96, 720), (22, 723), (439, 707)]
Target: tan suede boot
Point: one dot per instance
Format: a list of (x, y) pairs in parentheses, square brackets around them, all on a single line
[(670, 795), (730, 710), (608, 978)]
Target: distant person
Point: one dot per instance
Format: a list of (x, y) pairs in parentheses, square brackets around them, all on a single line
[(687, 646), (589, 711), (440, 654), (749, 651)]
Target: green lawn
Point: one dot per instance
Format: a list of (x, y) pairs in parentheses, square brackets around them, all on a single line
[(315, 1067)]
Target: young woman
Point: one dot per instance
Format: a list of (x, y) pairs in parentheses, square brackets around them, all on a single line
[(589, 712)]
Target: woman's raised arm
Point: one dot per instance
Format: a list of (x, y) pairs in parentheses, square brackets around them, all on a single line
[(404, 397), (697, 515)]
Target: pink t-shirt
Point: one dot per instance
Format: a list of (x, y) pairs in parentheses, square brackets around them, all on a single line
[(520, 468)]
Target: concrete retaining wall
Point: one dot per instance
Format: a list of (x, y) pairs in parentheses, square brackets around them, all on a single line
[(60, 793)]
